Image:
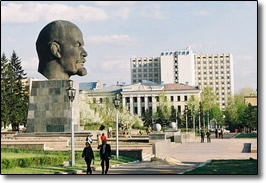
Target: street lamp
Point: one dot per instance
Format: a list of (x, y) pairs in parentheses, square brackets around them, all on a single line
[(186, 111), (208, 114), (193, 113), (116, 104), (71, 92)]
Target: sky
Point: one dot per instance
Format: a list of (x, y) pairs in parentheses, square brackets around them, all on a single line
[(114, 32)]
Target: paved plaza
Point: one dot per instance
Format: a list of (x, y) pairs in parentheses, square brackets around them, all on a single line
[(189, 155)]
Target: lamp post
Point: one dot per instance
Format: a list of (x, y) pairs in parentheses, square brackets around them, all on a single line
[(71, 92), (116, 103), (186, 111), (208, 114), (193, 113)]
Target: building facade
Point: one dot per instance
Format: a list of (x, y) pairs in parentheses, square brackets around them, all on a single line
[(186, 67), (147, 68), (216, 71), (140, 97)]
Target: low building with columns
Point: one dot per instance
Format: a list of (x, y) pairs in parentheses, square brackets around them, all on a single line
[(144, 96)]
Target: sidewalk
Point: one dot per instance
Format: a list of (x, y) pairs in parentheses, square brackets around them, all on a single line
[(190, 156)]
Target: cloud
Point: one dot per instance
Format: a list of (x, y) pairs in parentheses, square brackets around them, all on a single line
[(33, 12), (244, 58), (30, 64), (154, 12), (122, 13), (116, 39), (115, 3), (202, 13), (116, 64)]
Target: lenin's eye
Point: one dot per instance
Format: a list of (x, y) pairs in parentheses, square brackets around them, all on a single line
[(78, 44)]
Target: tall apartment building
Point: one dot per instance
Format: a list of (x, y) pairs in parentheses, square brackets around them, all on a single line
[(178, 67), (147, 68), (216, 71), (186, 67)]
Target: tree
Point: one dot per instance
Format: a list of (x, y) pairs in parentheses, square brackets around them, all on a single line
[(148, 117), (6, 74), (19, 98), (250, 118), (235, 112), (208, 98), (162, 116)]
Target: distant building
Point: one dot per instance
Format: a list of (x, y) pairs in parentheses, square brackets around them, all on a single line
[(186, 67), (252, 99), (138, 98)]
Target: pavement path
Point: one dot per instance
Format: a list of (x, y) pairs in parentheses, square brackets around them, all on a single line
[(189, 155)]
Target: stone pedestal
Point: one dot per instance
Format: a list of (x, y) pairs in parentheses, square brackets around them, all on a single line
[(157, 136), (49, 107)]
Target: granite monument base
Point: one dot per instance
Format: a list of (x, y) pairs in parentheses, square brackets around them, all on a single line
[(49, 107)]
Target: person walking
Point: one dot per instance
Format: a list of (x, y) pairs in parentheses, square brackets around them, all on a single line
[(88, 155), (216, 133), (103, 137), (222, 133), (99, 141), (202, 136), (208, 134), (105, 155)]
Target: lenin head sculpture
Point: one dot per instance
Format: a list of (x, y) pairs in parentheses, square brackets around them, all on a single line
[(60, 51)]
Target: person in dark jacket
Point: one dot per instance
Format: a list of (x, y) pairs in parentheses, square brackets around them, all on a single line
[(105, 155), (88, 155), (208, 134), (202, 136)]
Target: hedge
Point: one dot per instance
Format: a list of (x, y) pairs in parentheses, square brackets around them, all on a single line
[(32, 161)]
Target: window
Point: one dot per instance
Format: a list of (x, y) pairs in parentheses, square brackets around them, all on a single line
[(185, 98), (101, 100), (199, 73), (172, 98), (179, 108), (157, 98), (210, 83), (199, 78), (134, 70), (139, 70), (94, 100), (210, 72), (178, 98)]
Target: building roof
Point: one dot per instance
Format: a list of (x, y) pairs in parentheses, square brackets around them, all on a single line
[(110, 89), (87, 86), (175, 86)]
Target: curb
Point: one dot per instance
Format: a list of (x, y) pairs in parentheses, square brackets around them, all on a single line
[(98, 168), (200, 165)]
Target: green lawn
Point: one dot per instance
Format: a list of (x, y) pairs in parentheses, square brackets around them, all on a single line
[(246, 135), (233, 167), (52, 169)]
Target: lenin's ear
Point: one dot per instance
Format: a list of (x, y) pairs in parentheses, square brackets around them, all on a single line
[(55, 49)]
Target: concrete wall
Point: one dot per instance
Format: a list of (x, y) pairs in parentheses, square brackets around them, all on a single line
[(132, 153), (159, 148)]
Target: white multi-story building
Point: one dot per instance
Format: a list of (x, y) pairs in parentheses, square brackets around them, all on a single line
[(178, 67), (147, 68), (186, 67), (216, 71)]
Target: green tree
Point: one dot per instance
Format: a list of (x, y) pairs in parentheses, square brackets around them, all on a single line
[(19, 98), (147, 117), (250, 118), (6, 74), (208, 98), (163, 114)]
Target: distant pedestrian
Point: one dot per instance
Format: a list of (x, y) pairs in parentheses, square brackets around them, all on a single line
[(105, 155), (88, 139), (202, 136), (236, 131), (103, 137), (88, 155), (222, 133), (109, 132), (99, 141), (208, 134), (216, 133)]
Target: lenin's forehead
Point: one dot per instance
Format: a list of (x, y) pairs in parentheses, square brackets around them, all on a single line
[(65, 29)]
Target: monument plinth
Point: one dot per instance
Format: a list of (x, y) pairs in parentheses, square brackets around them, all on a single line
[(49, 107)]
